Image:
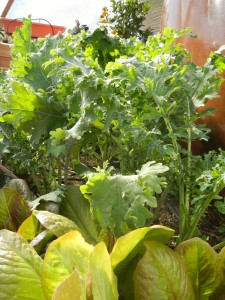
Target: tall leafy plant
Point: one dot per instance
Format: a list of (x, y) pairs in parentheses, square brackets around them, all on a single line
[(126, 17), (166, 93), (98, 96)]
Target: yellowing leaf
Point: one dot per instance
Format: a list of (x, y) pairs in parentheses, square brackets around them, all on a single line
[(103, 280), (129, 245), (28, 229), (65, 254), (71, 288), (20, 269)]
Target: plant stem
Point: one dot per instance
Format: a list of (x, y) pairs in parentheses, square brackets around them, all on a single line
[(218, 246), (201, 210), (59, 168), (183, 212), (105, 150), (159, 205), (8, 172), (111, 240), (71, 144), (187, 175), (40, 189)]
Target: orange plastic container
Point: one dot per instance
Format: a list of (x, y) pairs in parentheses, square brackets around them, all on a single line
[(38, 29), (206, 19)]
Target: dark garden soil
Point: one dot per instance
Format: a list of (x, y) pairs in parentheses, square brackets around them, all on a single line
[(209, 227)]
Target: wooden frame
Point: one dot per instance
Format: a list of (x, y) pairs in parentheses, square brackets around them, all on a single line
[(7, 8)]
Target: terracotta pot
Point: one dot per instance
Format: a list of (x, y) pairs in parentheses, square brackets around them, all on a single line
[(206, 18)]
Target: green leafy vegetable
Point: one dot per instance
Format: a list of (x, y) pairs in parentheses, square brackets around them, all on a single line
[(127, 251), (76, 208), (104, 281), (20, 269), (21, 187), (71, 288), (57, 224), (29, 228), (203, 265), (65, 254), (120, 202), (13, 209), (161, 273)]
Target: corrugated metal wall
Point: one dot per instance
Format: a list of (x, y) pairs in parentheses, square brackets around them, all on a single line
[(153, 19)]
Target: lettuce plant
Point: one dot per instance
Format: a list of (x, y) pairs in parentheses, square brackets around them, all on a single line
[(76, 260), (14, 208), (140, 266)]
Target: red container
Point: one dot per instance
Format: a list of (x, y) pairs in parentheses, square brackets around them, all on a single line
[(206, 19), (38, 29)]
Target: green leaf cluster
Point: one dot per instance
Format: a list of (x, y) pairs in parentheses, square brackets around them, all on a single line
[(128, 18), (140, 266), (98, 96), (120, 203), (63, 256)]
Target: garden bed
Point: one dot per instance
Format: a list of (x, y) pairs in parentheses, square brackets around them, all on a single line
[(96, 124)]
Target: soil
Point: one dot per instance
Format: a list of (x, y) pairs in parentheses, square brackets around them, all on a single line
[(209, 227)]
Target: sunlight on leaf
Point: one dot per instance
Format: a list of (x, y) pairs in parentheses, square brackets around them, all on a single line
[(65, 254), (20, 269)]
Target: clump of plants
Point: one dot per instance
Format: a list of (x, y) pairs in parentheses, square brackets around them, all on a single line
[(111, 101), (64, 255), (110, 115), (126, 18)]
